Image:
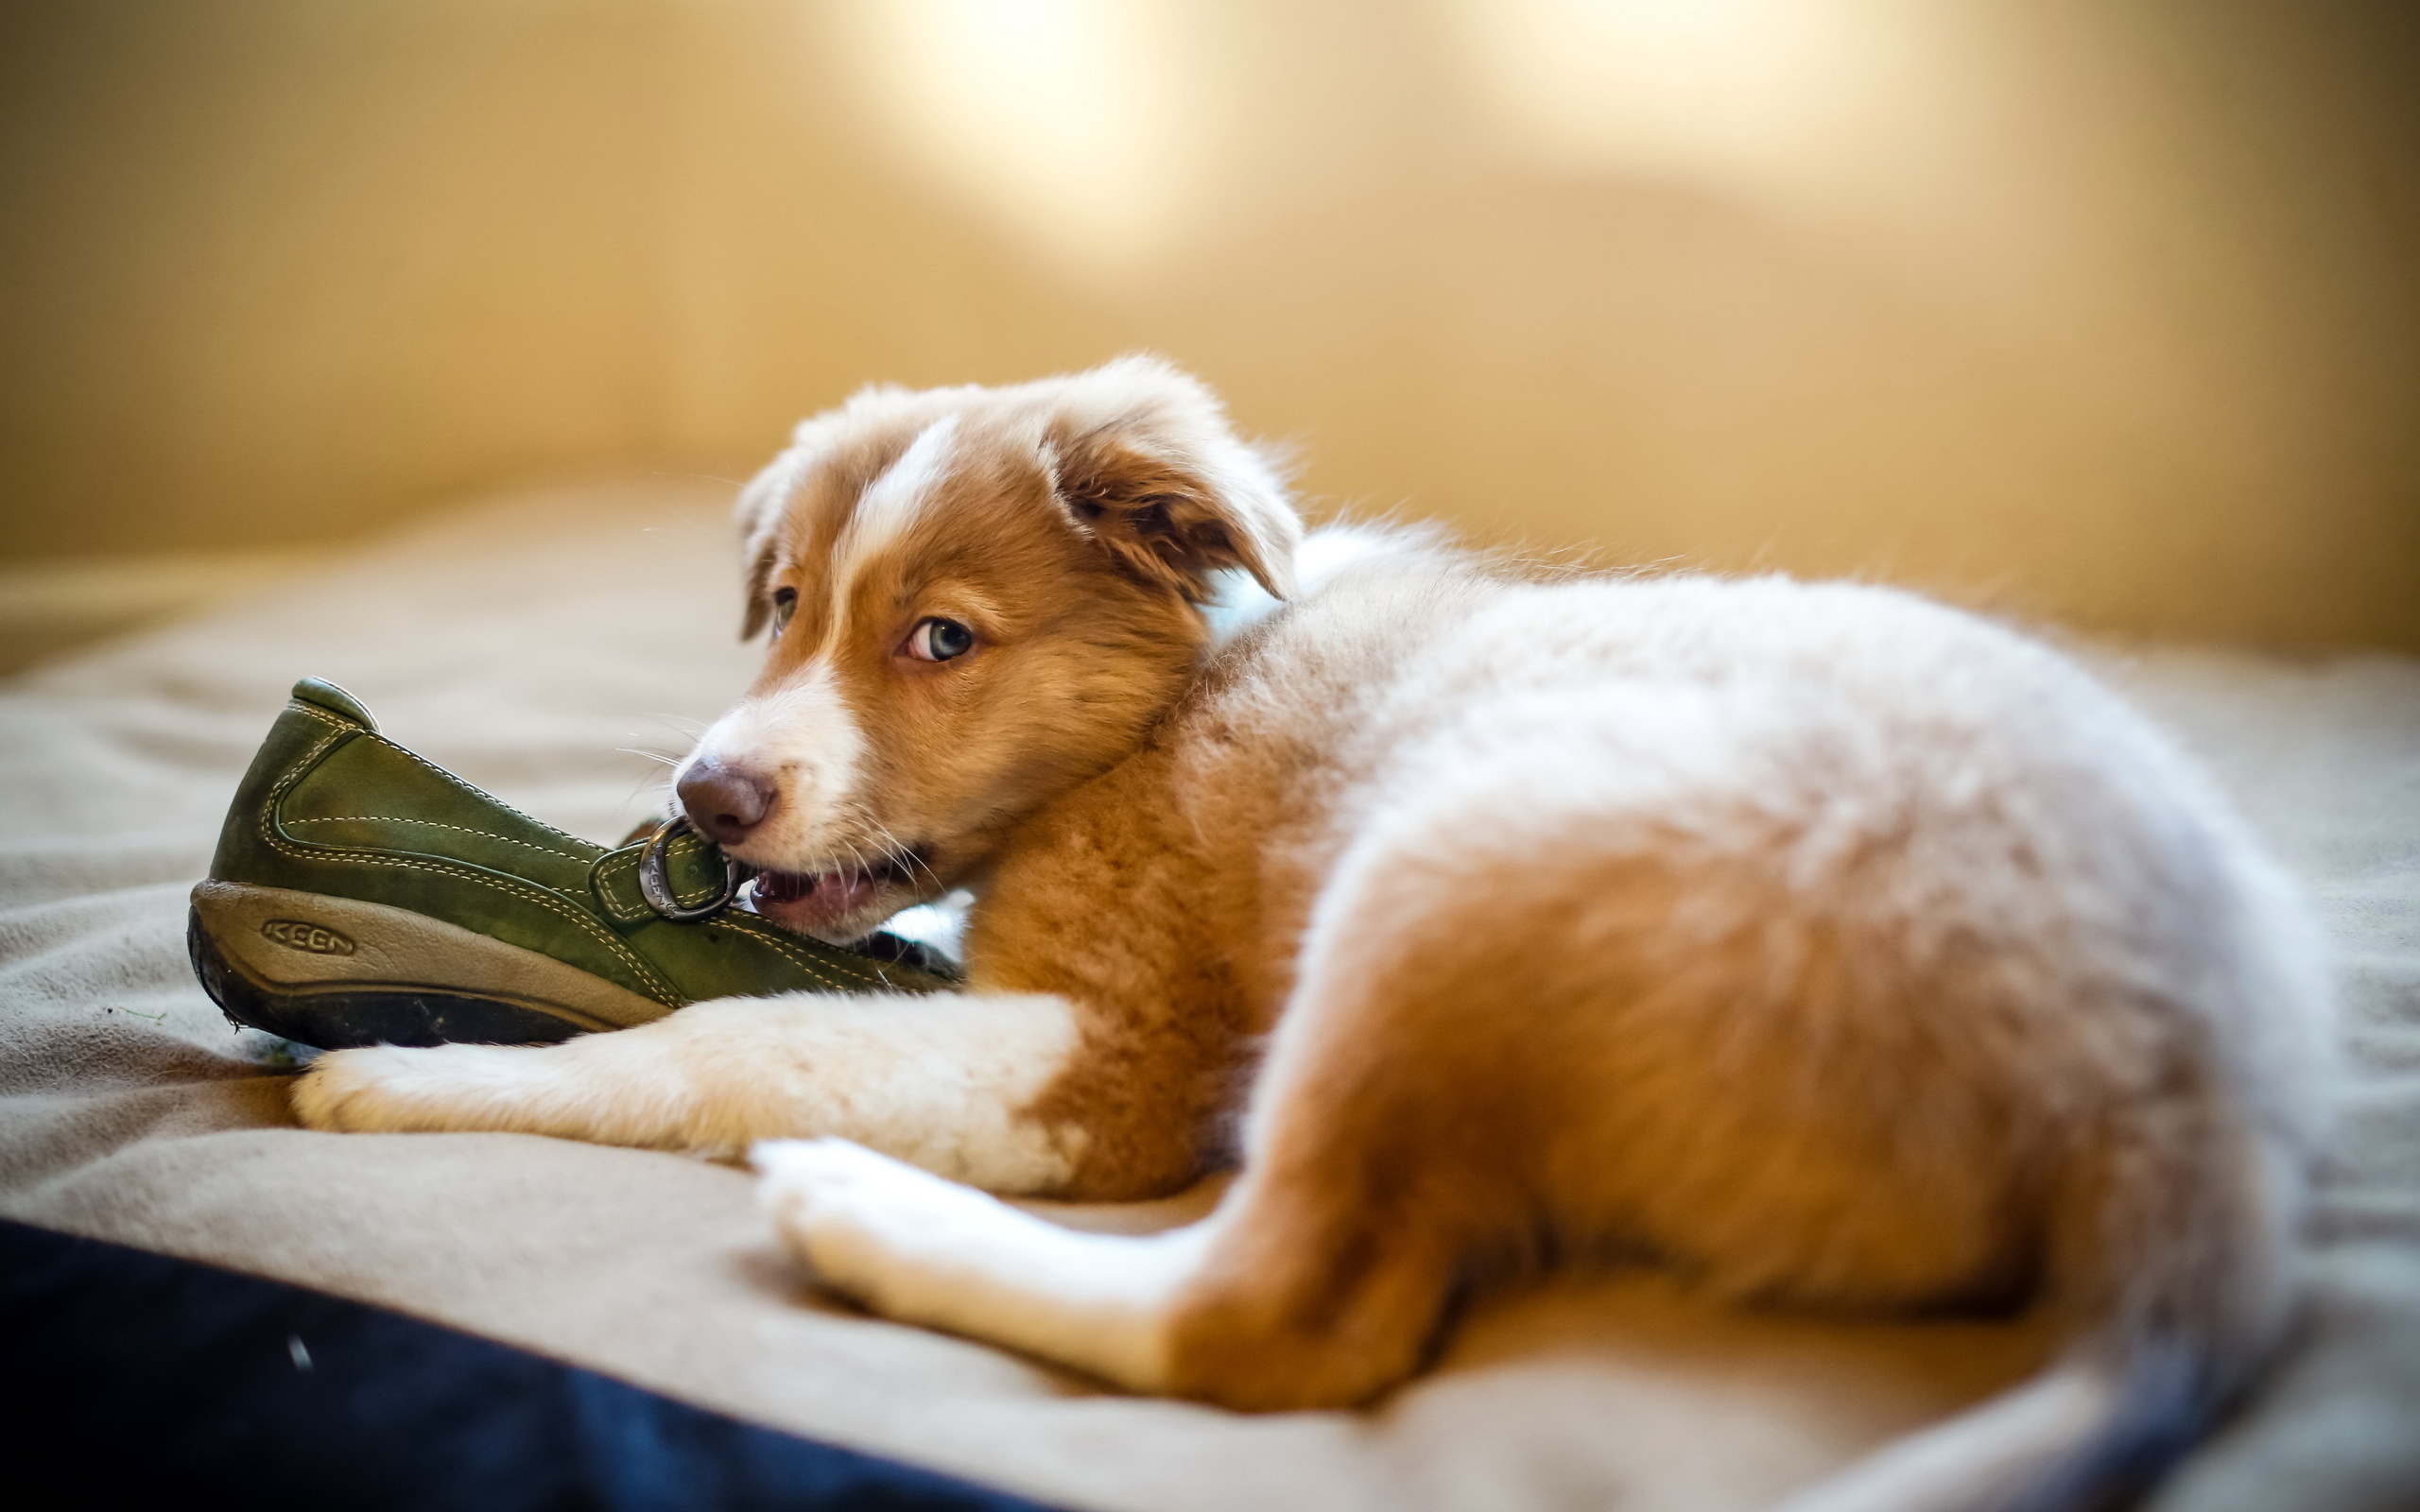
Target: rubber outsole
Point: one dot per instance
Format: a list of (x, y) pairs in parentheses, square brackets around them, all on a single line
[(341, 972), (343, 1016)]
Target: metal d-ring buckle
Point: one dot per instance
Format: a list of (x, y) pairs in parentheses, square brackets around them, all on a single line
[(656, 887)]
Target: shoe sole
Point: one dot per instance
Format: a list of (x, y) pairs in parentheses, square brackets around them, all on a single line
[(337, 972)]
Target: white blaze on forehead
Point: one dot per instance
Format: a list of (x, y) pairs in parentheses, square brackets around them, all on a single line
[(804, 738), (891, 501)]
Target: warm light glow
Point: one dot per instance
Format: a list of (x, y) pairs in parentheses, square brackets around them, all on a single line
[(1079, 123), (1891, 127), (1676, 87)]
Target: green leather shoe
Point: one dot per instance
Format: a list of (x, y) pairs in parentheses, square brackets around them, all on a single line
[(361, 895)]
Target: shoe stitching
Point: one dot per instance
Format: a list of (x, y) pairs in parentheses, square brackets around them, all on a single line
[(706, 890), (701, 895), (633, 913), (331, 720), (764, 934), (476, 793), (433, 824), (873, 974), (768, 935), (687, 845), (545, 897), (821, 971)]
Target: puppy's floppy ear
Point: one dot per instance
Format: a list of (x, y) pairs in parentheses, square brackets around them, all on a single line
[(1143, 460), (758, 514)]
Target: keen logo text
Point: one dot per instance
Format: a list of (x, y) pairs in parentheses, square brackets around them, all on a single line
[(296, 935)]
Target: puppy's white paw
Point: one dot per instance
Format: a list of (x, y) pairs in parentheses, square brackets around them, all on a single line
[(871, 1227), (922, 1250), (384, 1089)]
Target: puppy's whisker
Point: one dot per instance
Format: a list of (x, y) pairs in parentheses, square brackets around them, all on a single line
[(857, 859), (905, 854)]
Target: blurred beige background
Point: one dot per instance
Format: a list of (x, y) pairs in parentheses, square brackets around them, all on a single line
[(2106, 311)]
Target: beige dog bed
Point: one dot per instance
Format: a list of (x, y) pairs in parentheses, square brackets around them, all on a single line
[(533, 645)]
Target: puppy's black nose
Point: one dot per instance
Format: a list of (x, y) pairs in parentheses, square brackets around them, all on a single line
[(724, 803)]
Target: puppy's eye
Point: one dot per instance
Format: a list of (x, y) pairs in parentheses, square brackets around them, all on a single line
[(785, 605), (940, 640)]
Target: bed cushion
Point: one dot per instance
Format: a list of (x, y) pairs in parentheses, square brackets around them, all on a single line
[(536, 643)]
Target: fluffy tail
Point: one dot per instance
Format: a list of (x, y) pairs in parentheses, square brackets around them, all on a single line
[(2173, 1254)]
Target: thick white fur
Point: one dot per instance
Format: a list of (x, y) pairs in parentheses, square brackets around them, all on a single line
[(1240, 602), (934, 1081), (929, 1251)]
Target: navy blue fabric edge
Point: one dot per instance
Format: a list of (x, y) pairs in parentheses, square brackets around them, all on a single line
[(127, 1374)]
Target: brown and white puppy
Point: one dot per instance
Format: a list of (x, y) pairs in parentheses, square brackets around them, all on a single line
[(1841, 948)]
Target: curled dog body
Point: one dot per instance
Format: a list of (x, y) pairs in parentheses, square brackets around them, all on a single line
[(1839, 948)]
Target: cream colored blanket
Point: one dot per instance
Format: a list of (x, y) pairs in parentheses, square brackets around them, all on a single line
[(536, 645)]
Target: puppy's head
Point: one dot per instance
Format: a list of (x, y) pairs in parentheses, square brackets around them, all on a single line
[(977, 598)]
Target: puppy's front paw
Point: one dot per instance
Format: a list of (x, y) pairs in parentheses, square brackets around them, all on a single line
[(384, 1089), (870, 1227)]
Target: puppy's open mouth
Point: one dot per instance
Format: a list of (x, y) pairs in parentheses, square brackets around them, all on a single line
[(815, 901)]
